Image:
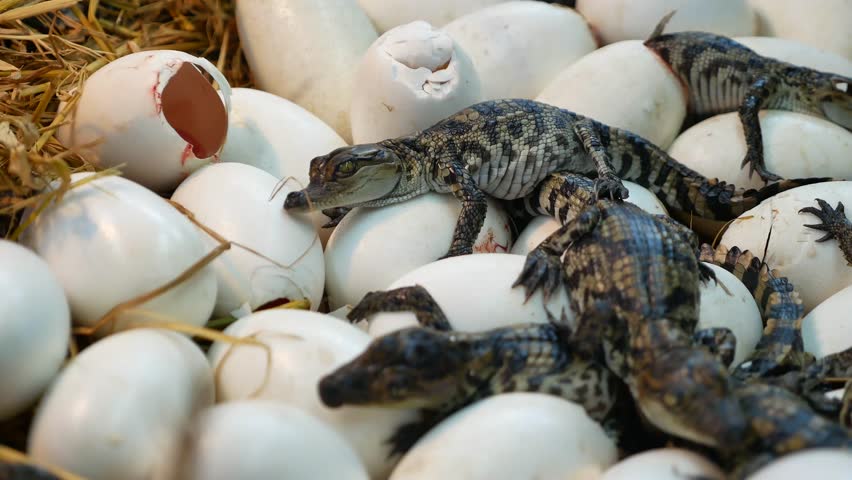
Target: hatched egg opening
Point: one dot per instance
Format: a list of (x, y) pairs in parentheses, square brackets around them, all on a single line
[(194, 109)]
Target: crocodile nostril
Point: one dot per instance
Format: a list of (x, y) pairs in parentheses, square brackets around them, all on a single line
[(330, 394), (295, 200)]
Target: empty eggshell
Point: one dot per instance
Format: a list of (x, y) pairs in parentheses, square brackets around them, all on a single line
[(616, 20), (664, 464), (324, 41), (305, 346), (372, 247), (597, 85), (507, 437), (795, 145), (120, 407), (387, 14), (233, 199), (111, 240), (816, 270), (524, 35), (798, 53), (821, 463), (492, 304), (827, 25), (153, 112), (35, 323), (410, 78), (827, 328), (266, 439)]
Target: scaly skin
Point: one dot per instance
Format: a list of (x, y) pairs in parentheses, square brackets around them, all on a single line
[(439, 370), (721, 75), (633, 281), (504, 148), (835, 225), (23, 471)]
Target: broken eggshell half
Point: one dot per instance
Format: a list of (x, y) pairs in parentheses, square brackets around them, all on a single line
[(152, 114)]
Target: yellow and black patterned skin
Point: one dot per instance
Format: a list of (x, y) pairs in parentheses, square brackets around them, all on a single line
[(721, 75)]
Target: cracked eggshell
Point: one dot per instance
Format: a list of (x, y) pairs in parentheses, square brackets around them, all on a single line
[(827, 328), (410, 78), (821, 463), (233, 199), (542, 226), (266, 439), (816, 270), (493, 303), (597, 85), (795, 145), (507, 437), (523, 33), (824, 24), (120, 407), (324, 41), (387, 14), (372, 247), (35, 322), (798, 53), (664, 464), (152, 111), (305, 346), (617, 20), (111, 240)]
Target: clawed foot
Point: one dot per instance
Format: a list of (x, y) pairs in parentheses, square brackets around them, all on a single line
[(705, 273), (336, 215), (833, 219), (542, 270), (407, 435), (755, 164), (610, 185)]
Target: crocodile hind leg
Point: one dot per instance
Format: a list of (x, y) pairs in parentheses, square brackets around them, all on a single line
[(720, 341), (607, 182), (474, 207), (756, 96), (835, 224), (416, 300)]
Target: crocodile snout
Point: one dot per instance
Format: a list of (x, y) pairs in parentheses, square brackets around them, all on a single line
[(295, 200), (330, 393)]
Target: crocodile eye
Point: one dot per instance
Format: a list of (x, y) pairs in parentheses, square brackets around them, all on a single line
[(346, 168)]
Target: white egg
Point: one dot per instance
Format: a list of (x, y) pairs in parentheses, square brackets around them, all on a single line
[(616, 20), (233, 199), (664, 464), (306, 51), (542, 226), (510, 436), (372, 247), (737, 311), (491, 304), (816, 270), (153, 112), (265, 439), (821, 463), (827, 25), (387, 14), (511, 45), (827, 328), (35, 321), (597, 85), (119, 409), (305, 346), (410, 78), (112, 240), (795, 145), (798, 53)]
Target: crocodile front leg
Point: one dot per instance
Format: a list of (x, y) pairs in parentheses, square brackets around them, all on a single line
[(416, 300), (474, 207), (835, 224), (335, 215), (757, 94), (607, 182)]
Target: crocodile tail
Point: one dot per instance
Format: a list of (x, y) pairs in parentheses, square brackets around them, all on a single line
[(780, 346)]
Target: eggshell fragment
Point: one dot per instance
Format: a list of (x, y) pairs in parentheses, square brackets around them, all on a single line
[(816, 270), (305, 346), (111, 240), (827, 25), (664, 464), (798, 53), (616, 20), (233, 199), (265, 439), (542, 226), (35, 322), (523, 33), (324, 41), (821, 463), (372, 247), (120, 407), (827, 328), (491, 304), (410, 78), (623, 85), (154, 113), (510, 436), (795, 145), (387, 14)]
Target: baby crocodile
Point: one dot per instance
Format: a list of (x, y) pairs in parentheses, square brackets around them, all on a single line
[(834, 224), (504, 148), (633, 281), (439, 370), (722, 75)]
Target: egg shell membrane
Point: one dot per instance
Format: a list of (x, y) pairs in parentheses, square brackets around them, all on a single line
[(195, 111)]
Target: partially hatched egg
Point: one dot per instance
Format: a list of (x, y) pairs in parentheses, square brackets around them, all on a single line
[(153, 112), (827, 328), (387, 14), (664, 464), (824, 24)]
